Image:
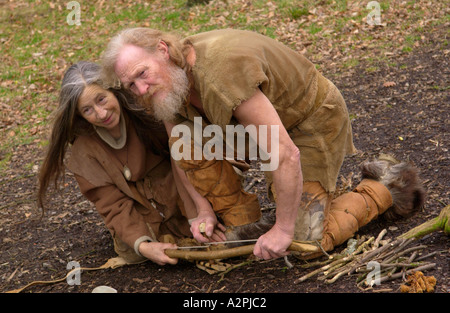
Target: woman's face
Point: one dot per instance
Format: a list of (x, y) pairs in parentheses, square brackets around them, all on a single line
[(100, 108)]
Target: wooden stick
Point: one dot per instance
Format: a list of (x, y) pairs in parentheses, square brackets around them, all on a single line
[(398, 275), (398, 254), (440, 222), (380, 236), (332, 280), (210, 254), (309, 275), (232, 252)]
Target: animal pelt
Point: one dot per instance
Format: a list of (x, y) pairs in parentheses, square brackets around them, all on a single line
[(253, 230), (402, 180)]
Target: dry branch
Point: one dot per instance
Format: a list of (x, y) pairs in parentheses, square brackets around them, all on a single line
[(440, 222), (391, 257), (233, 252)]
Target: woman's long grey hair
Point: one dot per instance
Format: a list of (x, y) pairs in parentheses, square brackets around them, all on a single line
[(68, 124), (67, 119)]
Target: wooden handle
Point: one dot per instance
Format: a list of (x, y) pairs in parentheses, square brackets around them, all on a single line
[(232, 252)]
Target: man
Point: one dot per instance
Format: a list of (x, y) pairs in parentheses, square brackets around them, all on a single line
[(240, 77)]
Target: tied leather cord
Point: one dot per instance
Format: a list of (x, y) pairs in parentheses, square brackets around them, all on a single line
[(126, 170)]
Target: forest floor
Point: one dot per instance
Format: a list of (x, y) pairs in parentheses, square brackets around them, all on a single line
[(398, 107)]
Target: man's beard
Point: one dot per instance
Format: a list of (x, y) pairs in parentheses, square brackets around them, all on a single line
[(166, 109)]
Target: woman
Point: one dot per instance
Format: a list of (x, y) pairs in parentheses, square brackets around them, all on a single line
[(120, 159)]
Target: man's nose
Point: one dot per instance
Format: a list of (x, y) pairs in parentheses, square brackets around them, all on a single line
[(141, 87)]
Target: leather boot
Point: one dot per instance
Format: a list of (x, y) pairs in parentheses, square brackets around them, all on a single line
[(311, 214), (388, 187), (352, 210)]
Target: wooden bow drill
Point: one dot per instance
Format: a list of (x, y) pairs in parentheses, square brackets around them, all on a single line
[(182, 253)]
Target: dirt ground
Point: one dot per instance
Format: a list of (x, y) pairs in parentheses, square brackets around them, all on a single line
[(401, 109)]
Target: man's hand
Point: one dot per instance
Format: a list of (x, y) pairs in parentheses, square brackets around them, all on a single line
[(273, 244), (213, 230), (154, 251)]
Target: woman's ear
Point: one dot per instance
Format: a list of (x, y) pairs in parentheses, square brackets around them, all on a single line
[(163, 48)]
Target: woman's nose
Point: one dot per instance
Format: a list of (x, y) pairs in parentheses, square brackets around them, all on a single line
[(101, 112)]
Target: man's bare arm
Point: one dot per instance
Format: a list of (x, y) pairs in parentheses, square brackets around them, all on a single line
[(287, 178)]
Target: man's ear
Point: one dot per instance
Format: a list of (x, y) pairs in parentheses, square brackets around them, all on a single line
[(163, 49)]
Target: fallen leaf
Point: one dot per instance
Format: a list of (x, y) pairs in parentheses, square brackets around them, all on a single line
[(389, 84)]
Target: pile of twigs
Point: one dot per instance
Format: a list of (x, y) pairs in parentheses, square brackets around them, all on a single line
[(373, 260)]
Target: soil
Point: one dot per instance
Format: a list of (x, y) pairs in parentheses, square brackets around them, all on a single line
[(401, 109)]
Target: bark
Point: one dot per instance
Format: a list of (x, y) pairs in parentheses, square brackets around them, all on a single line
[(440, 222), (233, 252)]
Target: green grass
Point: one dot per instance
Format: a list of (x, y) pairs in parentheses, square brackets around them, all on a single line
[(297, 12), (351, 63), (314, 29)]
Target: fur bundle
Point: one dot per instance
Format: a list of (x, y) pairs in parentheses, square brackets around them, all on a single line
[(253, 230), (402, 180)]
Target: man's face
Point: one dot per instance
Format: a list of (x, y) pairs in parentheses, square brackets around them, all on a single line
[(161, 85), (140, 71)]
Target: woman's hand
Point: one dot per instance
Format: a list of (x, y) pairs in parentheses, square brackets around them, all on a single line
[(154, 251), (213, 230)]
